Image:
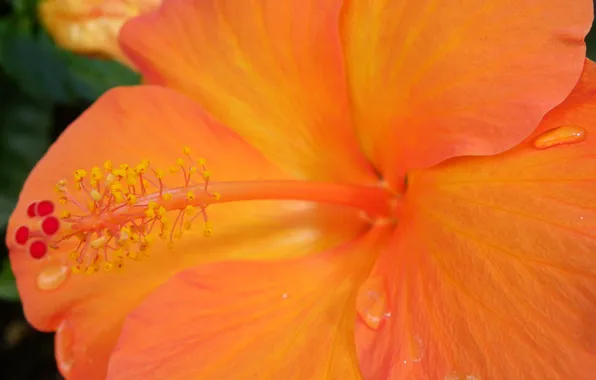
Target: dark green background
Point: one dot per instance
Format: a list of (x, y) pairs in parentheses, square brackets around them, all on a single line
[(42, 90)]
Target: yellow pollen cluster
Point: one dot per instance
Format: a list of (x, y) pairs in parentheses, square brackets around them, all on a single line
[(127, 207)]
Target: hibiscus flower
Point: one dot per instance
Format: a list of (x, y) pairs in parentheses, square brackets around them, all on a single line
[(325, 190)]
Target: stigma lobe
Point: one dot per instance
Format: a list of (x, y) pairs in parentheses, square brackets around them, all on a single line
[(35, 236)]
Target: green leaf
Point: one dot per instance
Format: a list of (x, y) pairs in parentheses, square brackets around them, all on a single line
[(47, 73), (24, 138), (34, 63), (90, 78), (8, 287)]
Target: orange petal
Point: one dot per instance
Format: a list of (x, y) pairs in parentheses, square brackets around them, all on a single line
[(91, 26), (270, 69), (127, 126), (492, 272), (432, 79), (241, 320)]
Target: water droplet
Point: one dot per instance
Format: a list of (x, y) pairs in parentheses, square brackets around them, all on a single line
[(416, 349), (456, 376), (568, 134), (52, 277), (64, 348), (371, 302)]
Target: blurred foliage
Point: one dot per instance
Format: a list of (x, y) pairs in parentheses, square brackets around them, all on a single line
[(42, 90), (37, 80)]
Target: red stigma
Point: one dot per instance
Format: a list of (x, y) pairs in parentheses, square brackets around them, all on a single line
[(45, 208), (38, 249), (50, 225), (22, 235), (32, 210)]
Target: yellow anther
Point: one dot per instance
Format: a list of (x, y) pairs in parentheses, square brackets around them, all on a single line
[(190, 210), (116, 186), (152, 205), (167, 196), (76, 269), (206, 174), (186, 150), (108, 165), (94, 183), (80, 174), (61, 186), (91, 269), (120, 173), (131, 198), (131, 177), (150, 213), (107, 266), (118, 196), (145, 163), (124, 167), (217, 196), (179, 161), (75, 255), (174, 169), (202, 161), (208, 230), (161, 211), (63, 200), (159, 173), (187, 225), (190, 196), (110, 179), (95, 195), (141, 168), (193, 169), (100, 242), (65, 214), (96, 173)]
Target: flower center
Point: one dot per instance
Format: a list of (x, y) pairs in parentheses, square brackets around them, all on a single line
[(115, 213)]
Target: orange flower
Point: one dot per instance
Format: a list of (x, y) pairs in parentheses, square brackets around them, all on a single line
[(351, 232), (91, 26)]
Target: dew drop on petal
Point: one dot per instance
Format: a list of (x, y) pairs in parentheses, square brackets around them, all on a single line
[(64, 345), (371, 302), (568, 134), (52, 277), (416, 349), (458, 376)]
